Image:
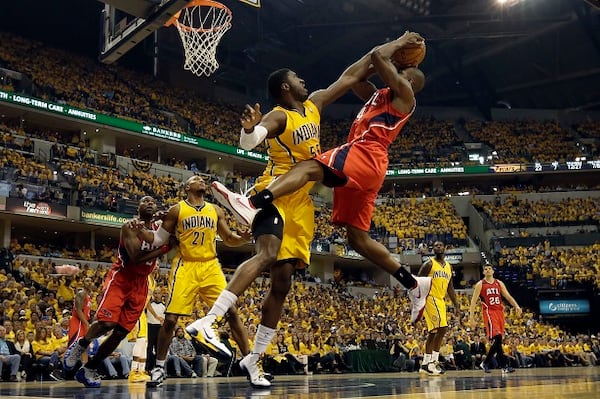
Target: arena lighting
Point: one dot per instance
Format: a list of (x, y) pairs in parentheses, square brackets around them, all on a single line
[(507, 3), (421, 7)]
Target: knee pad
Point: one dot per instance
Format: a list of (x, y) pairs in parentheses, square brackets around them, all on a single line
[(268, 221)]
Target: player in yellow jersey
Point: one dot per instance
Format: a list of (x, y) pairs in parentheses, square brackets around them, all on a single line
[(195, 271), (283, 229), (440, 272), (138, 364)]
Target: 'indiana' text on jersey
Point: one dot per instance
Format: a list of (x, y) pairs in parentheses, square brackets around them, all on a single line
[(440, 273), (197, 221), (305, 132), (298, 142), (197, 231)]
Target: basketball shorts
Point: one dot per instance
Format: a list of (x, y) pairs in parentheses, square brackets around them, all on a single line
[(298, 214), (358, 171), (191, 280), (435, 313), (123, 299), (76, 329), (494, 322)]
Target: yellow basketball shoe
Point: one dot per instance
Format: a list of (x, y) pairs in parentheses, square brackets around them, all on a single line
[(138, 376)]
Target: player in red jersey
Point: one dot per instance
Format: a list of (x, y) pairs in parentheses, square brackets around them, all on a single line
[(357, 169), (80, 319), (491, 291), (123, 298)]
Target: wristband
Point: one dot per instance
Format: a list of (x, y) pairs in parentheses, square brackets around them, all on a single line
[(164, 249), (250, 140)]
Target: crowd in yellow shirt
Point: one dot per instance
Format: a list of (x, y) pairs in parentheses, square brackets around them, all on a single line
[(558, 265), (319, 322), (420, 218), (520, 211), (525, 141)]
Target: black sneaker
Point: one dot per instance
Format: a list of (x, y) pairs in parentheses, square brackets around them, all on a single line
[(158, 376), (56, 375)]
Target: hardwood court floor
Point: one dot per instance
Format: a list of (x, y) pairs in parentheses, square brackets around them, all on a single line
[(550, 383)]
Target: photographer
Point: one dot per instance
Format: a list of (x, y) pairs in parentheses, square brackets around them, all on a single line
[(400, 355)]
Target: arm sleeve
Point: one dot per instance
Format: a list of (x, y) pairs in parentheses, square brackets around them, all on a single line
[(250, 140)]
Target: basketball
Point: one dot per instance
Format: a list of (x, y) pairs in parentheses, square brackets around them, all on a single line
[(409, 56)]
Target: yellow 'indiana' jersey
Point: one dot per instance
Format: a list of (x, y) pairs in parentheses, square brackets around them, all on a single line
[(440, 274), (197, 231), (151, 284), (299, 141)]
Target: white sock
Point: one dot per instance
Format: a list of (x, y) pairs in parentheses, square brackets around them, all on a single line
[(160, 363), (225, 300), (134, 365), (262, 339), (142, 366), (435, 356), (427, 358)]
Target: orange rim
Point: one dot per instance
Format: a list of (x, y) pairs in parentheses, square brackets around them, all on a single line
[(207, 3)]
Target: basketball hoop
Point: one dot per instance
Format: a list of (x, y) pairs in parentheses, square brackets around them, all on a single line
[(201, 25)]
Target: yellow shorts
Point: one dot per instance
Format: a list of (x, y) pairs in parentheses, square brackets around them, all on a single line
[(435, 313), (142, 326), (189, 280), (298, 213)]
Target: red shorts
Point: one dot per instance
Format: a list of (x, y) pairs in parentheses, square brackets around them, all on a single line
[(76, 329), (123, 298), (363, 165), (494, 322)]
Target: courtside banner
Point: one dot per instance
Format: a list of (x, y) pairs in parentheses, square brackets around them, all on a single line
[(564, 306), (166, 134), (36, 208), (438, 170), (94, 216), (132, 126)]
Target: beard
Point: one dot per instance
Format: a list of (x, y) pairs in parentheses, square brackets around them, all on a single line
[(303, 97)]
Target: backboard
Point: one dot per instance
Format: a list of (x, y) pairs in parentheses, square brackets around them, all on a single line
[(128, 22)]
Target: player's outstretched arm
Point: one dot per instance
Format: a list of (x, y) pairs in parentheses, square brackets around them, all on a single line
[(509, 297), (360, 70), (164, 232), (364, 89), (474, 297), (132, 233), (230, 238), (452, 294), (255, 127), (425, 269), (79, 299), (389, 74), (131, 242)]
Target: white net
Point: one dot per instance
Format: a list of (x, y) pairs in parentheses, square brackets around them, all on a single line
[(201, 28)]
